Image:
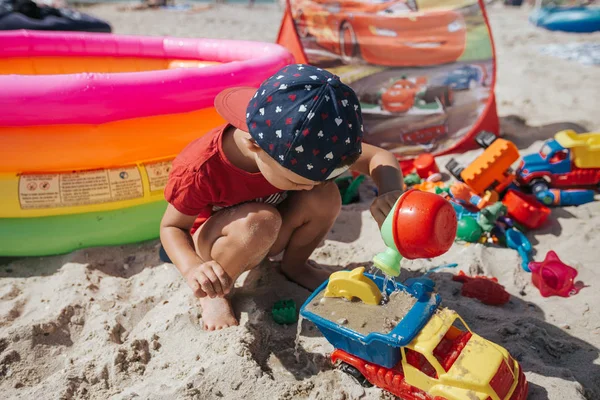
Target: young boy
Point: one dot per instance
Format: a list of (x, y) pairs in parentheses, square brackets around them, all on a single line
[(262, 184)]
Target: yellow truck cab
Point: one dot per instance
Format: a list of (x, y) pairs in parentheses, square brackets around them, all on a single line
[(449, 363)]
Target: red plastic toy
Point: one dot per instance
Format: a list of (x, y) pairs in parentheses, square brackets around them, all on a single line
[(487, 290), (525, 209), (390, 379), (433, 222), (553, 277), (425, 165)]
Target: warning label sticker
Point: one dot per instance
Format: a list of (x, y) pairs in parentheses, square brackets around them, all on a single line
[(39, 191), (158, 174), (80, 187)]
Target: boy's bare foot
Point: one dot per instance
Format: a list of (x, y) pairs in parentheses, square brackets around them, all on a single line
[(310, 276), (217, 313)]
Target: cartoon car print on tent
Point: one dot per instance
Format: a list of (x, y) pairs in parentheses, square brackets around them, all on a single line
[(465, 77), (414, 93), (419, 130), (381, 32)]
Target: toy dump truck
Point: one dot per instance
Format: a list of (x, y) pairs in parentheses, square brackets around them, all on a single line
[(570, 160), (426, 356), (490, 173)]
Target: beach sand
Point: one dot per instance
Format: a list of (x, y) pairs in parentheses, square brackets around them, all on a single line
[(117, 323)]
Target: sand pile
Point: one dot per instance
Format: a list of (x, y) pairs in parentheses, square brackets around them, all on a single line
[(364, 318)]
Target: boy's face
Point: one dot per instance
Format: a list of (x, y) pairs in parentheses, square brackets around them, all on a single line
[(279, 176)]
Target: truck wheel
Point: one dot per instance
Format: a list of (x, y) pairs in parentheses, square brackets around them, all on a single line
[(539, 185), (485, 139), (454, 168), (355, 373)]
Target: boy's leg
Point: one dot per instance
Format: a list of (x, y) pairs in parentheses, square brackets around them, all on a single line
[(307, 217), (238, 239)]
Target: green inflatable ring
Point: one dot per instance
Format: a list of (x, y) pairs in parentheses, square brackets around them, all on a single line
[(46, 236)]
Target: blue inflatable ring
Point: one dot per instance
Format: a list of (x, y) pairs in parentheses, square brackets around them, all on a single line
[(572, 19)]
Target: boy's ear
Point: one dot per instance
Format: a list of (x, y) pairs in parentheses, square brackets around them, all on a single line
[(251, 144)]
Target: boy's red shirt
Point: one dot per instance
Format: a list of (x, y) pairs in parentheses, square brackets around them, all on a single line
[(202, 180)]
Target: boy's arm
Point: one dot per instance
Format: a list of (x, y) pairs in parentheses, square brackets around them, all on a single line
[(177, 241), (383, 167), (205, 277)]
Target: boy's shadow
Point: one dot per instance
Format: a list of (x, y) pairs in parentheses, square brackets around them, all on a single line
[(277, 355), (348, 225), (519, 326), (271, 345)]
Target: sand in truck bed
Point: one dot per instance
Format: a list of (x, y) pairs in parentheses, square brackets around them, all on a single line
[(360, 317)]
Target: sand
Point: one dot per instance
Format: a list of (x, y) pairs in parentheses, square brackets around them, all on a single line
[(117, 323), (361, 317)]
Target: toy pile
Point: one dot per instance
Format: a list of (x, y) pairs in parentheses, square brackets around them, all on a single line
[(393, 335), (495, 204)]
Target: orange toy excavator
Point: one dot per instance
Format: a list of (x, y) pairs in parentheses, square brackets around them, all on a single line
[(490, 173)]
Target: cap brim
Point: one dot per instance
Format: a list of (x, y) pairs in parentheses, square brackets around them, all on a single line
[(232, 103)]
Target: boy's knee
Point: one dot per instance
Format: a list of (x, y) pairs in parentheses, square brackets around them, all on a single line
[(262, 222), (325, 201)]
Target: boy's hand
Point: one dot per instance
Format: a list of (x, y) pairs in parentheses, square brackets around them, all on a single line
[(383, 204), (208, 279)]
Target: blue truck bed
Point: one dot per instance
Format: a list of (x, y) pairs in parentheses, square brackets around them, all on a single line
[(381, 349)]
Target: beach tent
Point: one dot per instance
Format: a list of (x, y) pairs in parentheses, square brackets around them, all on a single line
[(424, 70)]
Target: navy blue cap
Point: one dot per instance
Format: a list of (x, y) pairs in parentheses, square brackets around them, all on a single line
[(306, 119)]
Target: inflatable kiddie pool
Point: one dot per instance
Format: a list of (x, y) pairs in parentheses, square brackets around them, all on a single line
[(89, 125)]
